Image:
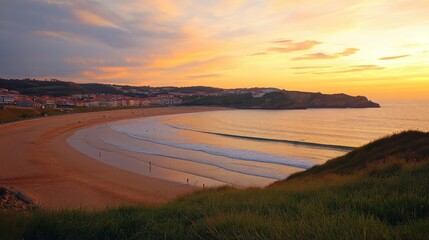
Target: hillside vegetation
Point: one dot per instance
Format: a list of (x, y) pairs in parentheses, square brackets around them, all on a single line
[(410, 146), (283, 100), (269, 101), (379, 191), (38, 88), (274, 100), (12, 114)]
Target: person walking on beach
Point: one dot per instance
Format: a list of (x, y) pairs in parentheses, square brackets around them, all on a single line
[(150, 166)]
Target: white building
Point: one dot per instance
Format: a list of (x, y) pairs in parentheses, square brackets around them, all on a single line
[(6, 99)]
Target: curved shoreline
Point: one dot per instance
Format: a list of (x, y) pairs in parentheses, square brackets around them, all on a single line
[(103, 144), (37, 160)]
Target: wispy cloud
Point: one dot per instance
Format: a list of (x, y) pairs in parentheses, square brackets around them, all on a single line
[(213, 75), (348, 52), (393, 57), (287, 46), (103, 61), (283, 41), (349, 69), (360, 68), (310, 67), (162, 42), (320, 55), (90, 18), (258, 54)]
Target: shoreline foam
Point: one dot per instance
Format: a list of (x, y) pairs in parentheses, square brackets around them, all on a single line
[(37, 160)]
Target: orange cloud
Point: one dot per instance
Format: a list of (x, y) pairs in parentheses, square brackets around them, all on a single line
[(205, 76), (86, 61), (182, 58), (108, 73), (168, 7), (393, 57), (310, 67), (258, 54), (314, 56), (90, 18), (360, 68), (348, 52), (355, 68), (290, 46)]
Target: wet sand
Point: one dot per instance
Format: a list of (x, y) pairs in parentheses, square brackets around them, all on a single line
[(36, 159)]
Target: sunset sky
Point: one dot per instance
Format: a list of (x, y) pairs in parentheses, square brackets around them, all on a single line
[(379, 49)]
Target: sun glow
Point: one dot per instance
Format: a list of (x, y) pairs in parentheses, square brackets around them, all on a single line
[(373, 48)]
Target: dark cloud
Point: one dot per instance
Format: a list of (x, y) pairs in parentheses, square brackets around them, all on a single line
[(37, 37), (30, 16), (393, 57)]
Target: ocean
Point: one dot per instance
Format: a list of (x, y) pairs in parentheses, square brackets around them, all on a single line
[(259, 147)]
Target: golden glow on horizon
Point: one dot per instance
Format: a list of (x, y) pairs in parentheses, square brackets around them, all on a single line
[(375, 48)]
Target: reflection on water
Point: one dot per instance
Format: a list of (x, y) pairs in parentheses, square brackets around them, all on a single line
[(263, 143)]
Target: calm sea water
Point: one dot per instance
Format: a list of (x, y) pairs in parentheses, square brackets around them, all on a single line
[(270, 144)]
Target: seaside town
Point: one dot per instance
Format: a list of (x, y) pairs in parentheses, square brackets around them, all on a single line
[(160, 96), (14, 98)]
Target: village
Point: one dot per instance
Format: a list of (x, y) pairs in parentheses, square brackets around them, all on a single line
[(158, 97)]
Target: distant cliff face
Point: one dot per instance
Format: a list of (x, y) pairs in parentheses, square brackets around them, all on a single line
[(284, 100)]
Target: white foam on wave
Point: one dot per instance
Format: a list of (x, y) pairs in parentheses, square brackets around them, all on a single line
[(230, 166), (154, 130)]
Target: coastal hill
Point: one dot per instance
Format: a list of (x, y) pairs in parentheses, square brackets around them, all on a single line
[(410, 146), (283, 100), (378, 191), (250, 98), (57, 88)]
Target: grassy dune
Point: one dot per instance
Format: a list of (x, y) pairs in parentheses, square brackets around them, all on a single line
[(12, 114), (379, 191)]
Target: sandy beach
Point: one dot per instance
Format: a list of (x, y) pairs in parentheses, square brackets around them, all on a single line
[(36, 159)]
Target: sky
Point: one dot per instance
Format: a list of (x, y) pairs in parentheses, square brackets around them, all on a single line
[(378, 49)]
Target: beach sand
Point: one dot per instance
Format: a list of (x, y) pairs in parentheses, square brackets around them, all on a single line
[(36, 159)]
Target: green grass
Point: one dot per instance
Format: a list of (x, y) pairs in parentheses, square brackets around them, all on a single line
[(409, 146), (386, 199)]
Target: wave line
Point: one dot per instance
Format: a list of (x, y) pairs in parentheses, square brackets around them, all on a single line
[(310, 144)]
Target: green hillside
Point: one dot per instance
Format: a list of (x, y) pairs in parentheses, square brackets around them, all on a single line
[(195, 89), (410, 146), (99, 88), (379, 191), (282, 100), (38, 88), (273, 100)]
